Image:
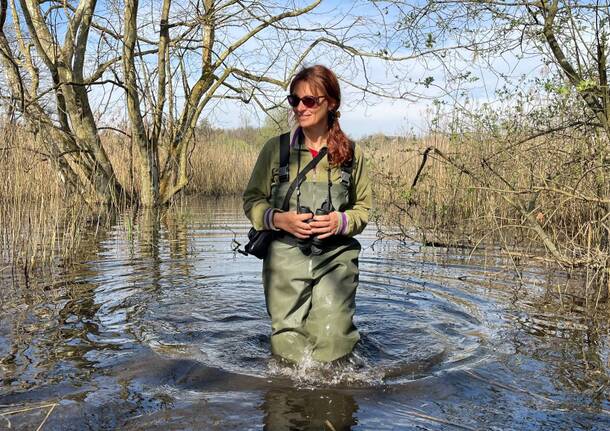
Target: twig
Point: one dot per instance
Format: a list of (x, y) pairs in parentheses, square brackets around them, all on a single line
[(46, 417), (421, 166), (27, 409), (534, 395), (509, 387)]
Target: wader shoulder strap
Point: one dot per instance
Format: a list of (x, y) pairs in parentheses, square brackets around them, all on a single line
[(301, 176), (347, 168), (284, 157)]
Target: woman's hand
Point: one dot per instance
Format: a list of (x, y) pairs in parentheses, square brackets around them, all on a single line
[(293, 223), (324, 226)]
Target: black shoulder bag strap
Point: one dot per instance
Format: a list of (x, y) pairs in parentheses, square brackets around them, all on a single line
[(284, 157), (301, 177)]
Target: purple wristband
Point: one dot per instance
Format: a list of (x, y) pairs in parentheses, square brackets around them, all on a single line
[(343, 224)]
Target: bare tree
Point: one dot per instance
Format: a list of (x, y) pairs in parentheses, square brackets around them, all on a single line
[(530, 126), (73, 67)]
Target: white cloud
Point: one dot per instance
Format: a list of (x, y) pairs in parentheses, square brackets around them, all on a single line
[(384, 116)]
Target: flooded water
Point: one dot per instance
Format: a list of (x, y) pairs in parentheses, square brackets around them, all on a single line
[(161, 325)]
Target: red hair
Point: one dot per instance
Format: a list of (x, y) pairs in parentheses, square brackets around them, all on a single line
[(325, 81)]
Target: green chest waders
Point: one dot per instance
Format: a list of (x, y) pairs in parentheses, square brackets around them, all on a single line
[(311, 298)]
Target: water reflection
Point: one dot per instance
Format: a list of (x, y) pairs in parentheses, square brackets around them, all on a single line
[(309, 409), (578, 347), (149, 224), (162, 322)]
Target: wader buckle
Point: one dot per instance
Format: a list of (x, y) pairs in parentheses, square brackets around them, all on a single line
[(283, 174), (346, 178)]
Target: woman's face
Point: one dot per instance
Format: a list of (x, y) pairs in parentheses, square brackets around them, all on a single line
[(316, 116)]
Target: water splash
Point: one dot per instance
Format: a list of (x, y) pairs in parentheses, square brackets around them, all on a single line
[(354, 370)]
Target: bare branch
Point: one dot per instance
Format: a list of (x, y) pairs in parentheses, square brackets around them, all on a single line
[(260, 27)]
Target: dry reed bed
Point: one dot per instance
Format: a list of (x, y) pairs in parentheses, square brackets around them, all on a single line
[(447, 196), (220, 163), (456, 198), (443, 201), (527, 197), (39, 219)]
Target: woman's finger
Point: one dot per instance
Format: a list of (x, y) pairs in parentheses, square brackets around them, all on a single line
[(326, 235), (321, 230), (304, 216), (303, 230)]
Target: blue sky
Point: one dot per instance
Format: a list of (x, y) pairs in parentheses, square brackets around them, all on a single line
[(365, 114), (362, 114)]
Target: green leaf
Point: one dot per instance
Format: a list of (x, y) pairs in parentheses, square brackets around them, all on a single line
[(585, 84)]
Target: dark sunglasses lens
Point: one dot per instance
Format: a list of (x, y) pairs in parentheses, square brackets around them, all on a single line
[(293, 100), (309, 101)]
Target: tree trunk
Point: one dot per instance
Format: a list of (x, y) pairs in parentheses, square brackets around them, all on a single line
[(148, 148)]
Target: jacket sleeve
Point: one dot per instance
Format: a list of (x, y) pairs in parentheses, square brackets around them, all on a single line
[(258, 191), (358, 215)]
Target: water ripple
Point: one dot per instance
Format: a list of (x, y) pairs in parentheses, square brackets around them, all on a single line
[(165, 315)]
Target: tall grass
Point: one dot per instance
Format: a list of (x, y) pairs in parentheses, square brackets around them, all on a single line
[(468, 192), (445, 204), (222, 165), (220, 160), (39, 219), (545, 198), (42, 221)]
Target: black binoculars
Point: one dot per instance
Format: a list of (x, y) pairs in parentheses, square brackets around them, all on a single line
[(313, 245)]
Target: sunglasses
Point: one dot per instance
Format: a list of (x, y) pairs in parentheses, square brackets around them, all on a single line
[(308, 101)]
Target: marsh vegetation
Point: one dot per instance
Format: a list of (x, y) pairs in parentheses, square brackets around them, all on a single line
[(536, 199), (491, 224)]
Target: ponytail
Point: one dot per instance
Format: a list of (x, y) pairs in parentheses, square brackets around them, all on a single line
[(339, 147)]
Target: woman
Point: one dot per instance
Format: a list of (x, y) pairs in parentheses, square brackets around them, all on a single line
[(310, 273)]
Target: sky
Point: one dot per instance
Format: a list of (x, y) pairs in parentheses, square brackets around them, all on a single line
[(366, 114), (362, 114), (357, 119)]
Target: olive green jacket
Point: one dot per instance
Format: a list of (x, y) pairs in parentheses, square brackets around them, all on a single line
[(257, 196)]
